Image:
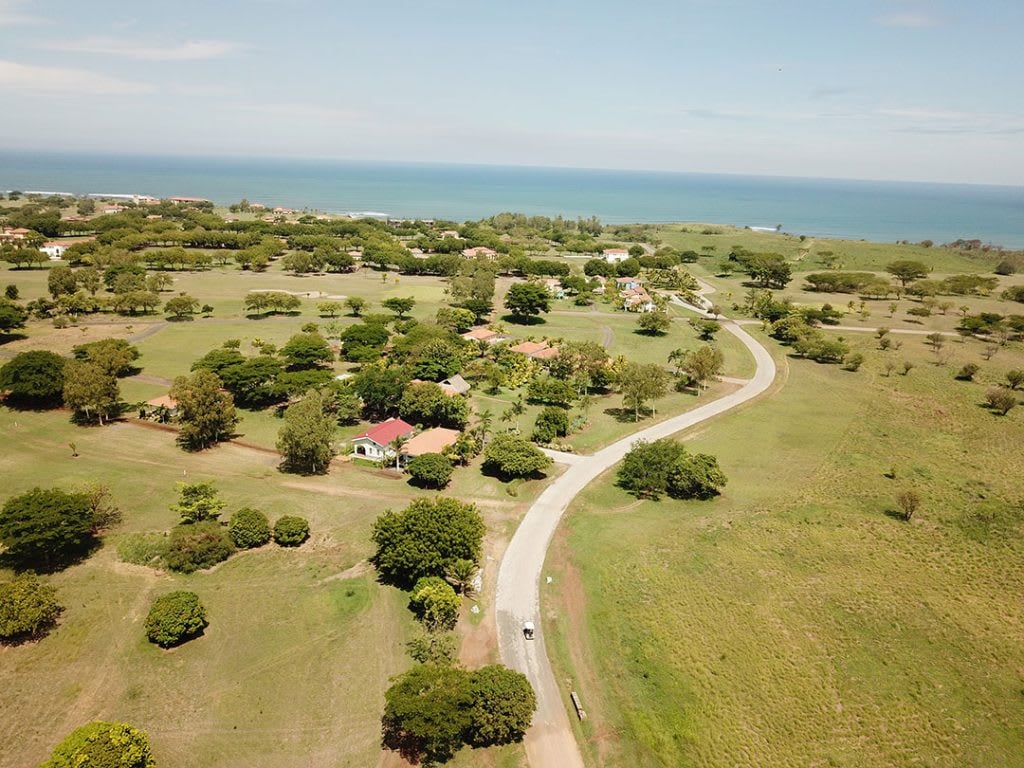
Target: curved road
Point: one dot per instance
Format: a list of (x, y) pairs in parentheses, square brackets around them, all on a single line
[(550, 742)]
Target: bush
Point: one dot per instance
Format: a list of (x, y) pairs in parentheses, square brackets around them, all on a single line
[(695, 476), (435, 603), (28, 608), (552, 422), (967, 372), (291, 531), (1001, 400), (432, 470), (143, 548), (103, 745), (511, 456), (249, 528), (197, 546), (175, 618)]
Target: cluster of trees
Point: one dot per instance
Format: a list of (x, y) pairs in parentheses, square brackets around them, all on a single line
[(666, 467), (807, 341)]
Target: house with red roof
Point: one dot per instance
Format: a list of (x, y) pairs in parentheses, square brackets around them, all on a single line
[(480, 252), (376, 442)]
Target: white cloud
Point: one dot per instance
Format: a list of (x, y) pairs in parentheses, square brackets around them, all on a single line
[(908, 20), (12, 15), (190, 50), (51, 80)]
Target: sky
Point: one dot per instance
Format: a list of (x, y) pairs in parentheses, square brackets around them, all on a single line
[(923, 90)]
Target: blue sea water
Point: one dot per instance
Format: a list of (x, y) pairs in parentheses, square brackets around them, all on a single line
[(872, 210)]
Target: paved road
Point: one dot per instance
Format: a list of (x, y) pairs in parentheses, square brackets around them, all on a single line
[(550, 742)]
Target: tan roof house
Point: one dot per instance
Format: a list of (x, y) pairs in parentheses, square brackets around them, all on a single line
[(538, 350), (430, 441), (484, 334), (473, 253)]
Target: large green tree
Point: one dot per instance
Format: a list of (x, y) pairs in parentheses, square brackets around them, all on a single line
[(526, 300), (34, 379), (175, 618), (115, 356), (907, 270), (425, 539), (47, 529), (103, 745), (641, 383), (28, 608), (512, 456), (306, 439), (306, 350), (205, 412), (427, 713), (502, 708), (427, 404), (91, 392)]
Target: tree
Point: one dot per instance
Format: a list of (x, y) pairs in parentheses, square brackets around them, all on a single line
[(35, 378), (181, 306), (695, 476), (435, 604), (90, 391), (431, 470), (770, 270), (198, 502), (197, 546), (437, 360), (381, 390), (432, 647), (936, 342), (328, 308), (61, 281), (12, 316), (103, 745), (967, 373), (640, 383), (1015, 378), (908, 501), (400, 306), (28, 608), (502, 708), (425, 539), (306, 350), (206, 414), (306, 439), (512, 456), (655, 323), (907, 271), (645, 469), (46, 529), (703, 364), (526, 300), (363, 342), (291, 531), (175, 618), (1001, 400), (551, 422), (115, 356), (426, 403), (249, 528), (427, 712), (356, 305), (455, 319), (706, 329)]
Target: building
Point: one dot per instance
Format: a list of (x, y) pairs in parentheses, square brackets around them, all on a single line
[(637, 300), (188, 200), (480, 252), (538, 350), (484, 334), (16, 235), (615, 255), (430, 441), (554, 287), (450, 233), (455, 385), (375, 443), (55, 250), (162, 409), (627, 283)]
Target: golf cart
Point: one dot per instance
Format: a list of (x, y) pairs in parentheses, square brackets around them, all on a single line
[(528, 630)]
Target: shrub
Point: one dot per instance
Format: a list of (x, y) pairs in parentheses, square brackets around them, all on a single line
[(197, 546), (103, 745), (291, 531), (967, 372), (249, 528), (432, 470), (511, 456), (552, 422), (1001, 400), (695, 476), (28, 608), (435, 603), (175, 618)]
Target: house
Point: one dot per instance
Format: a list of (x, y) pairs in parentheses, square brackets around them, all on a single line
[(484, 334), (538, 350), (430, 441), (375, 443), (8, 235), (455, 385), (188, 200), (55, 250), (601, 280), (627, 283), (480, 252), (162, 409), (450, 233), (615, 255), (417, 253), (554, 287), (637, 300)]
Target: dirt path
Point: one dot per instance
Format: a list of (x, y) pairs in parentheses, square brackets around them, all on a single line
[(550, 742)]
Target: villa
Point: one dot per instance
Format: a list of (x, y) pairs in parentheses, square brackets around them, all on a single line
[(375, 443)]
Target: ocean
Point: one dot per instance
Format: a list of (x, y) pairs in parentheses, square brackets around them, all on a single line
[(870, 210)]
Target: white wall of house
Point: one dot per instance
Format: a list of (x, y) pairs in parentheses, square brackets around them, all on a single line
[(54, 251), (366, 448)]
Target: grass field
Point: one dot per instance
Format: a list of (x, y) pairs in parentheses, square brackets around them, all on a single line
[(794, 621)]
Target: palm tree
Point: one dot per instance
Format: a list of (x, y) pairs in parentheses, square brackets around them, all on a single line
[(396, 446), (484, 421), (518, 408)]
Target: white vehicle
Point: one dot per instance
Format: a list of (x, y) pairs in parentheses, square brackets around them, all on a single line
[(528, 630)]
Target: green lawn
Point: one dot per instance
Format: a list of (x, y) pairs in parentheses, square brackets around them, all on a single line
[(792, 621)]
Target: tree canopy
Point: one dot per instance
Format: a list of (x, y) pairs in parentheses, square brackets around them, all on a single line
[(425, 539), (510, 455), (103, 745), (175, 618), (47, 529), (35, 378), (307, 438), (525, 300), (28, 608), (206, 413)]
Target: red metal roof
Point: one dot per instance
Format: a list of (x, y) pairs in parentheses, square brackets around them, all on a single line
[(386, 431)]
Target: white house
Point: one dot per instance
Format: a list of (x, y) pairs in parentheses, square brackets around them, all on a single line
[(615, 255), (54, 250), (375, 443)]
